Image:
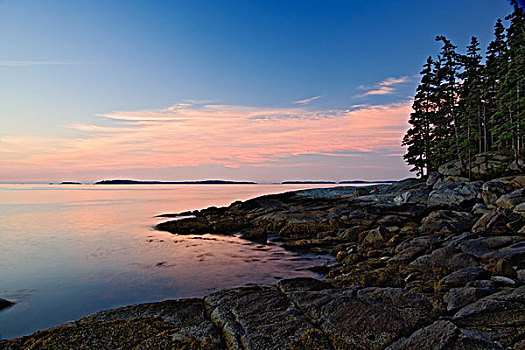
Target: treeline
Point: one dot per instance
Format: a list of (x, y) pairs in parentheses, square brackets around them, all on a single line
[(467, 104)]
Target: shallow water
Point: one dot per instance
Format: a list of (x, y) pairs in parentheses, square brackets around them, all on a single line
[(70, 250)]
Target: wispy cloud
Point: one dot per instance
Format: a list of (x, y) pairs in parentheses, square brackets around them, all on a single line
[(384, 87), (306, 100), (21, 63), (192, 134)]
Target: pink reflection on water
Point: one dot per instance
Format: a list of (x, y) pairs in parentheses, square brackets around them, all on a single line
[(83, 248)]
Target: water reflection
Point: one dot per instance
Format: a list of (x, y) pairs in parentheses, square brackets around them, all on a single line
[(69, 251)]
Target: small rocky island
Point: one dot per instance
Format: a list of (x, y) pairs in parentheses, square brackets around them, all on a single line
[(435, 264)]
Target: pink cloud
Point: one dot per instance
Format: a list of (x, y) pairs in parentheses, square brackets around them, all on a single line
[(383, 87), (190, 134)]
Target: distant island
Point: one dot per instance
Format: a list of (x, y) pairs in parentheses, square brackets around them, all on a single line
[(367, 182), (203, 182), (307, 182), (70, 183)]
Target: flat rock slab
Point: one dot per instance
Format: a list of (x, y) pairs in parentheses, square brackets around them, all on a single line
[(257, 318), (369, 318), (444, 335), (501, 314), (300, 313)]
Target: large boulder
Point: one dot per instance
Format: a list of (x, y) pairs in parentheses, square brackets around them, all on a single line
[(502, 313), (417, 194), (498, 222), (460, 297), (480, 247), (512, 199), (455, 196), (443, 259), (492, 190), (446, 222)]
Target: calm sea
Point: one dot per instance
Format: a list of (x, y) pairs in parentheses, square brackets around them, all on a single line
[(70, 250)]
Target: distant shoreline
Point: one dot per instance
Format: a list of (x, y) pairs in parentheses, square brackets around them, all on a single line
[(204, 182), (227, 182)]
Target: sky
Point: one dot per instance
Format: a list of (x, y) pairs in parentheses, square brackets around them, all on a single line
[(241, 90)]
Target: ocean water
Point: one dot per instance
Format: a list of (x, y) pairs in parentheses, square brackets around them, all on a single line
[(67, 251)]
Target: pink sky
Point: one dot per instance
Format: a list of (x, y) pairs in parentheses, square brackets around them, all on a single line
[(155, 144)]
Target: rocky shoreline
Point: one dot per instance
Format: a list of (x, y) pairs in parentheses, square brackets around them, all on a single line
[(438, 264)]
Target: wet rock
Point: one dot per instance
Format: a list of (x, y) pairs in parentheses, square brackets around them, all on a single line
[(460, 297), (502, 267), (256, 235), (377, 235), (514, 254), (227, 224), (320, 246), (480, 246), (444, 259), (496, 223), (412, 248), (360, 218), (455, 196), (463, 276), (438, 335), (503, 280), (488, 284), (520, 274), (505, 308), (479, 209), (299, 230), (512, 199), (128, 334), (169, 324), (187, 226), (181, 313), (301, 284), (444, 335), (5, 303), (455, 240), (446, 222), (520, 209)]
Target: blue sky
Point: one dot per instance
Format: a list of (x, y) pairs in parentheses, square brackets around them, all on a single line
[(65, 64)]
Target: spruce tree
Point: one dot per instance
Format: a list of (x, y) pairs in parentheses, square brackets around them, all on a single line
[(463, 107), (493, 70), (418, 138), (470, 119), (511, 114), (448, 93)]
